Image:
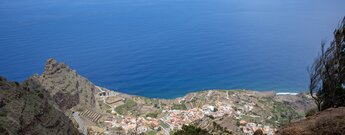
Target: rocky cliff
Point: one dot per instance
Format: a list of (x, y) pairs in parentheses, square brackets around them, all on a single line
[(68, 89), (43, 104), (26, 109)]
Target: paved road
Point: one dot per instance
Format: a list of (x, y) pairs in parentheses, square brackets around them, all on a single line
[(166, 129), (80, 122), (99, 88)]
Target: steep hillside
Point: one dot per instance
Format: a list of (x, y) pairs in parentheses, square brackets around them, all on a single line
[(26, 109), (327, 122), (68, 89)]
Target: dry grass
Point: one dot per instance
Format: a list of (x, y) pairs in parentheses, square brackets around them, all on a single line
[(328, 122)]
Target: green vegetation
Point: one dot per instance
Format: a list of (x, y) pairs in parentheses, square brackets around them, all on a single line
[(191, 130), (125, 108), (152, 132), (104, 106), (327, 74), (171, 132), (280, 107), (150, 101), (311, 112), (163, 124), (251, 119), (283, 114), (153, 114), (219, 130), (179, 107), (262, 101), (108, 111), (210, 116)]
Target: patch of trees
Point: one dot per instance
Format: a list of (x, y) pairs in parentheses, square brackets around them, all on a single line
[(327, 73), (191, 130)]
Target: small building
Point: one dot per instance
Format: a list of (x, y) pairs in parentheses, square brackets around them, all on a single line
[(211, 108), (101, 94)]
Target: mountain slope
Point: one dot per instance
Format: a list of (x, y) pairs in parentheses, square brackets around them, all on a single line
[(68, 89), (26, 109), (327, 122)]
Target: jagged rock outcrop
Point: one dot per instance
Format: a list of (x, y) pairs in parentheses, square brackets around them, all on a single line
[(43, 104), (68, 89), (26, 109)]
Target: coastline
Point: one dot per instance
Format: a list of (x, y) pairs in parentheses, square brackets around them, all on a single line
[(201, 91), (109, 111), (257, 108)]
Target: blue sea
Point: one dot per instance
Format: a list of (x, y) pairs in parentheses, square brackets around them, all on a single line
[(167, 48)]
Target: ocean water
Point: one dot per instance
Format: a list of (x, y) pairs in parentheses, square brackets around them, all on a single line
[(167, 48)]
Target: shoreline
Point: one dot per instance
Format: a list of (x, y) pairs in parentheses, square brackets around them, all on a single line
[(102, 109), (202, 91)]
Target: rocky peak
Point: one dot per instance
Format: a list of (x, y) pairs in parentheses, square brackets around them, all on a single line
[(68, 89), (52, 67)]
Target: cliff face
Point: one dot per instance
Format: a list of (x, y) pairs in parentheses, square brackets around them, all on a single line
[(68, 89), (26, 109), (42, 104)]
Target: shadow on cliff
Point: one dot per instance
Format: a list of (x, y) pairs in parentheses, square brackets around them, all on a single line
[(28, 108)]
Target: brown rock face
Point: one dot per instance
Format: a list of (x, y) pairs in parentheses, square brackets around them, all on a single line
[(65, 100), (26, 109), (42, 103), (68, 89)]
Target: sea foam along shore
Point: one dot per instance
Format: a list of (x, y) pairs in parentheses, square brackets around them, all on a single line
[(286, 93)]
